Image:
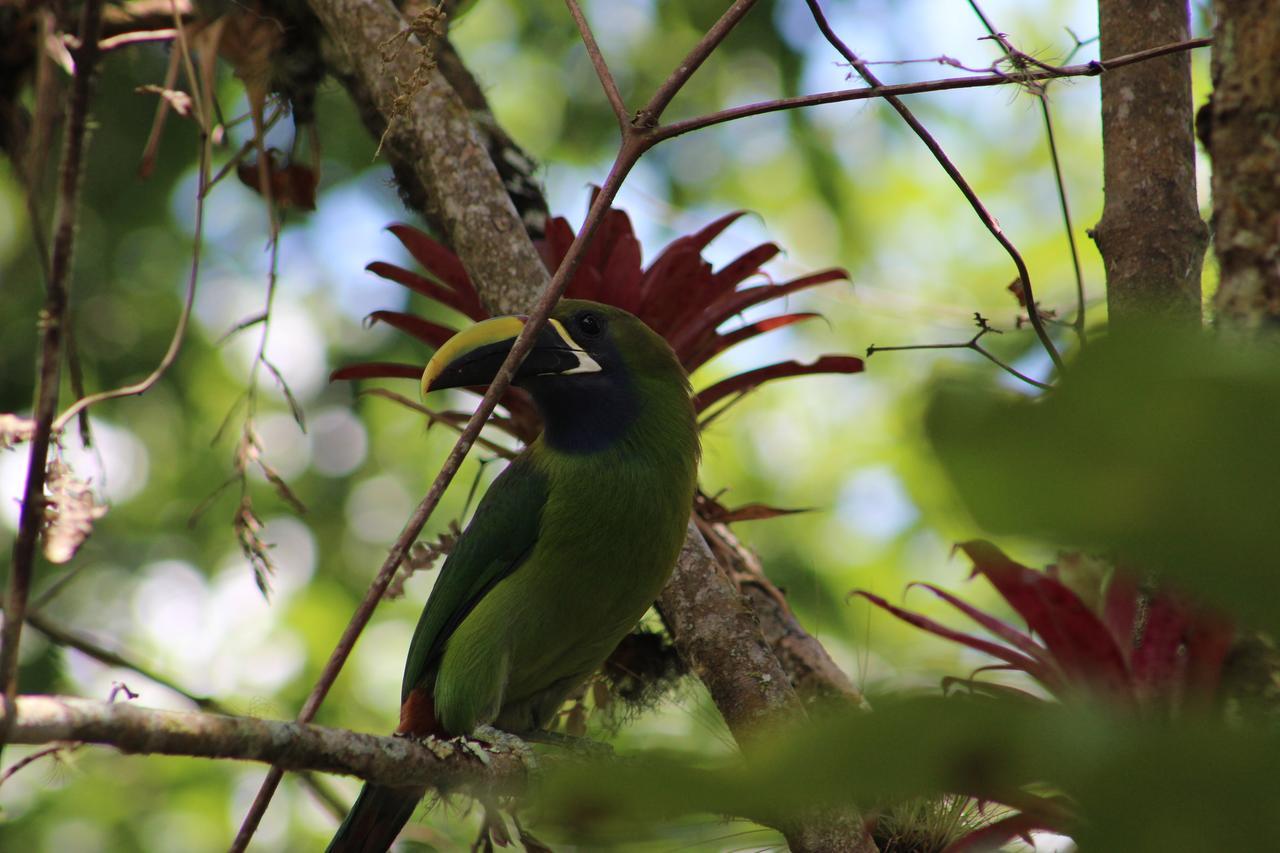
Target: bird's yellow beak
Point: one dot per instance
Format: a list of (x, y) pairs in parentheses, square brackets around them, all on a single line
[(474, 355), (468, 342)]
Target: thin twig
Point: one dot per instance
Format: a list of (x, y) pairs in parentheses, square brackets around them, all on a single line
[(28, 760), (180, 331), (952, 171), (139, 37), (863, 93), (72, 640), (983, 329), (602, 68), (434, 417), (1040, 90), (52, 320), (652, 111)]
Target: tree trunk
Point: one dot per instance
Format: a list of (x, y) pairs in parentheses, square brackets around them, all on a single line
[(1242, 133), (1151, 236)]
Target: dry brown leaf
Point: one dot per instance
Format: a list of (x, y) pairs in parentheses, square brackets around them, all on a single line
[(70, 511), (179, 101), (15, 429)]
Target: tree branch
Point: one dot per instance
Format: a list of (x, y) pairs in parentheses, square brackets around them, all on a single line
[(652, 112), (1021, 61), (294, 746), (719, 637), (864, 93), (1151, 236), (52, 322), (432, 134), (953, 172), (602, 68)]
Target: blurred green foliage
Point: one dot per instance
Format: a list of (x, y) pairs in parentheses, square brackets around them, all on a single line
[(840, 185), (1141, 785), (1149, 452)]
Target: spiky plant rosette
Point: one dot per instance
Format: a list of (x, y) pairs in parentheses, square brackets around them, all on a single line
[(1095, 634), (1148, 651), (679, 295)]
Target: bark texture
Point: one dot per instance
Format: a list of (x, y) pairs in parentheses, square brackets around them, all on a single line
[(293, 746), (702, 607), (432, 136), (720, 638), (1151, 236), (1243, 137), (817, 678)]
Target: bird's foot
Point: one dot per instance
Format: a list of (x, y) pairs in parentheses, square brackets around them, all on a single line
[(583, 746), (498, 740)]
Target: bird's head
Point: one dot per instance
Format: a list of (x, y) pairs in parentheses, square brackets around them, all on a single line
[(591, 370)]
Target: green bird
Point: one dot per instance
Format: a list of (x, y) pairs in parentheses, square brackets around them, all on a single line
[(568, 548)]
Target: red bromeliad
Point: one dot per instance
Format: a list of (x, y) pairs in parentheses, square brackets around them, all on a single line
[(680, 296), (1150, 654), (1160, 657)]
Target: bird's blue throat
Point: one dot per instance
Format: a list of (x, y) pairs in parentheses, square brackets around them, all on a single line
[(585, 413)]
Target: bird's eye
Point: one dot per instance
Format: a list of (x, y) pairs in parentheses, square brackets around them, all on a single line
[(590, 324)]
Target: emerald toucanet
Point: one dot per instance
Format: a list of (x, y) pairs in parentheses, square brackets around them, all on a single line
[(568, 548)]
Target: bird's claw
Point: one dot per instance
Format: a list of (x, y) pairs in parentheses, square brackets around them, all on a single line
[(499, 740)]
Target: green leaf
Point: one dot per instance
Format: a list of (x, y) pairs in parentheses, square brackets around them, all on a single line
[(1158, 447)]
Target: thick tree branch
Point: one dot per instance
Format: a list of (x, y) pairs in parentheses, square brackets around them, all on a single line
[(1151, 236), (817, 678), (1241, 128), (718, 636), (432, 134), (294, 746)]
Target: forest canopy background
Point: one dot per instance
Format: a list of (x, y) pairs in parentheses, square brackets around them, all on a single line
[(842, 185)]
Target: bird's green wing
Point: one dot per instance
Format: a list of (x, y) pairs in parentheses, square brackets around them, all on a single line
[(498, 539)]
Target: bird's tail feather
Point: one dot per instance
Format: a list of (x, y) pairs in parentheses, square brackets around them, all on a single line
[(376, 819)]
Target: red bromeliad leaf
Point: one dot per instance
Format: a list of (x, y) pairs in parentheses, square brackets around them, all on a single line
[(701, 324), (1000, 629), (1120, 610), (1079, 642), (1156, 663), (1181, 651), (428, 288), (1209, 639), (717, 514), (679, 296), (676, 278), (711, 348), (377, 370), (703, 237), (744, 382), (728, 277), (436, 259), (1014, 658), (432, 334)]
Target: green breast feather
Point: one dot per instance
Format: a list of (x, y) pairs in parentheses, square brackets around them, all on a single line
[(502, 533)]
